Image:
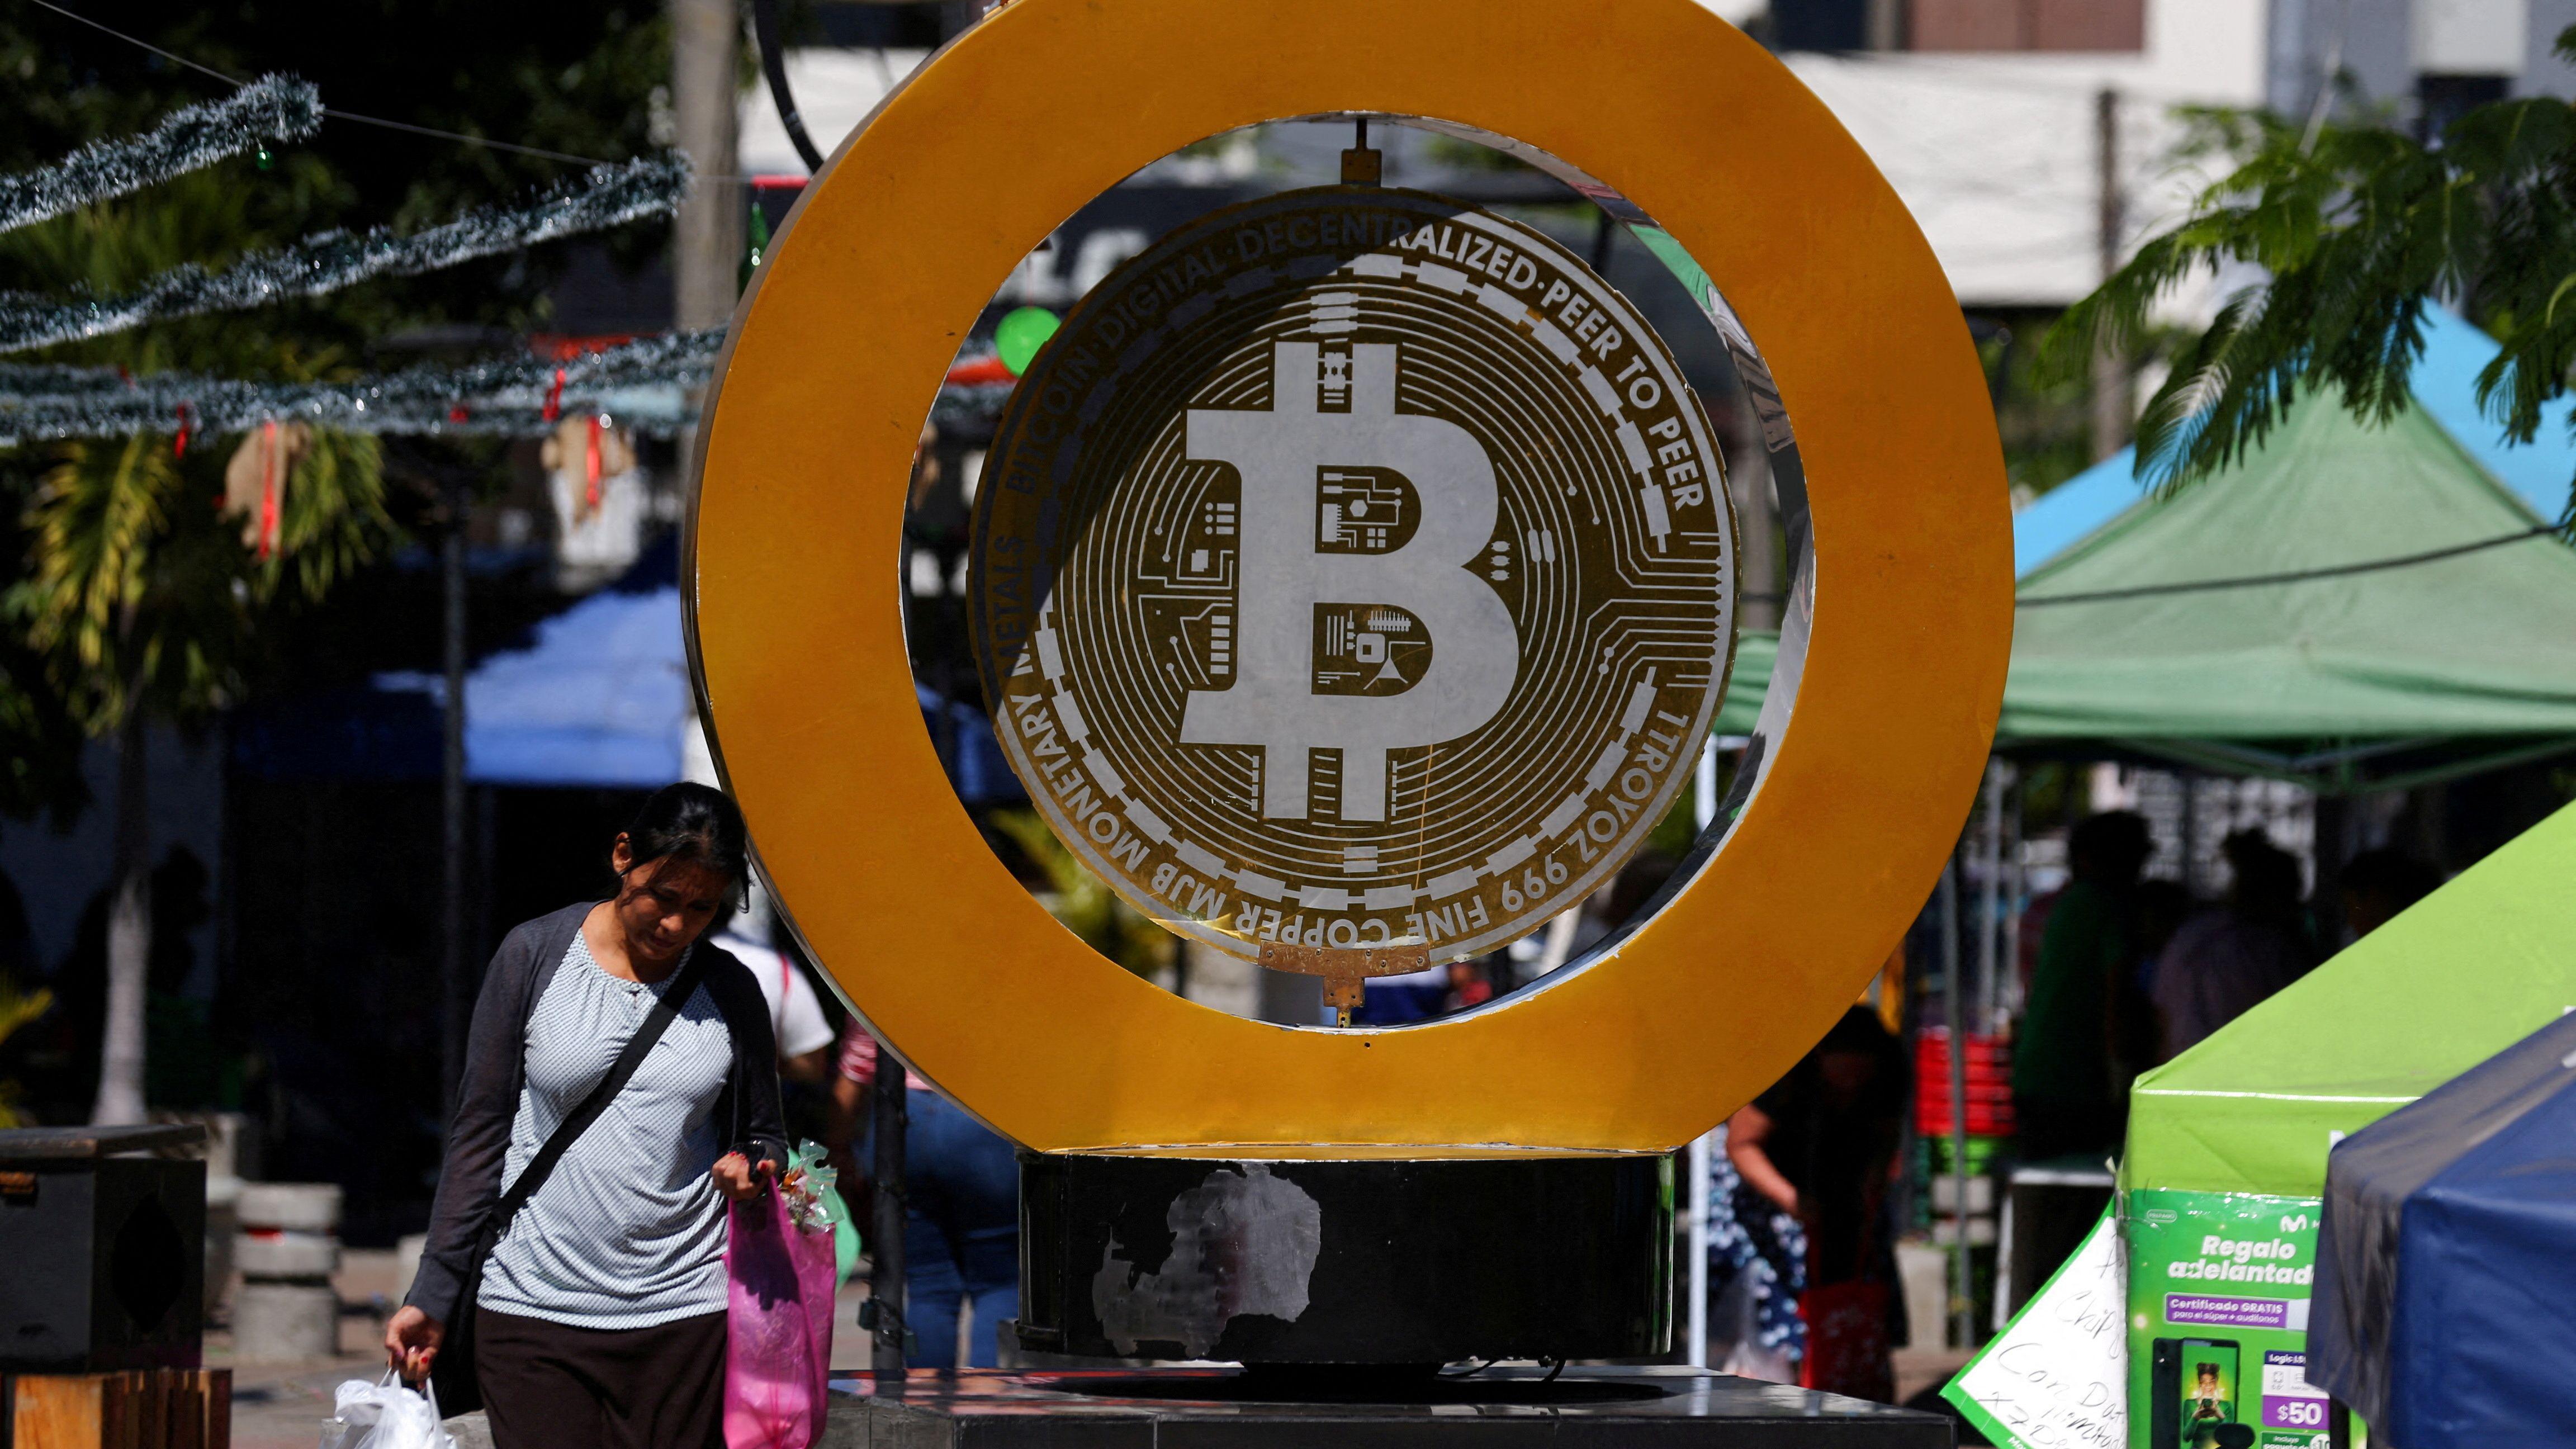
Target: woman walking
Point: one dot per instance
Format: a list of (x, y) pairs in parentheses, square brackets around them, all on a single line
[(620, 1085)]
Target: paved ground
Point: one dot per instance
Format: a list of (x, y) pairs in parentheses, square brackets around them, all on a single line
[(282, 1405), (1918, 1369)]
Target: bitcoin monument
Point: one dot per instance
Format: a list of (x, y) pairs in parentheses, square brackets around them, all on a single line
[(1353, 585), (1353, 577)]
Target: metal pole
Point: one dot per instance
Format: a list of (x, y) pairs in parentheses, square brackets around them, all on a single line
[(1704, 784), (1990, 866), (2016, 889), (1962, 1296), (2111, 410), (456, 983), (885, 1277), (1697, 1156), (1703, 810)]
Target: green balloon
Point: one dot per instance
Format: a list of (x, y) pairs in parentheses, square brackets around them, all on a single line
[(1021, 334)]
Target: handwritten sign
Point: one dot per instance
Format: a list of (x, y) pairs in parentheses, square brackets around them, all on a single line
[(2057, 1377)]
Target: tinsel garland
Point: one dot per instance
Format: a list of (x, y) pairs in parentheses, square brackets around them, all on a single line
[(513, 395), (272, 108), (610, 195)]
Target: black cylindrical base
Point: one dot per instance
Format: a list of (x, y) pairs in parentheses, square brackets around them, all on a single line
[(1346, 1261)]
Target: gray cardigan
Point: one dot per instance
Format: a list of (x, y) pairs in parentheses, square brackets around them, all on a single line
[(478, 1141)]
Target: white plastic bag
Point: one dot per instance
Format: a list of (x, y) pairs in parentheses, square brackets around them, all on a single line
[(385, 1415)]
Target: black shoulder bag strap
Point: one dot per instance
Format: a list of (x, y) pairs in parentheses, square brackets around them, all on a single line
[(460, 1391)]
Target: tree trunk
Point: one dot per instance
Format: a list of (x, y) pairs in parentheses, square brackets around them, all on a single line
[(129, 931)]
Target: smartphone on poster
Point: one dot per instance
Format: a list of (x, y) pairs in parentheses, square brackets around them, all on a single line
[(2196, 1388)]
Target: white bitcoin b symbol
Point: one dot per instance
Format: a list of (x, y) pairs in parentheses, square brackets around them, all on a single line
[(1475, 647)]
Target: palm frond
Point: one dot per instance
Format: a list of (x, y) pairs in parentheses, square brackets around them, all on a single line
[(2355, 231), (91, 526)]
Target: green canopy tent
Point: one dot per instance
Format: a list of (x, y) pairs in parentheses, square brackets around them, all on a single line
[(2352, 607)]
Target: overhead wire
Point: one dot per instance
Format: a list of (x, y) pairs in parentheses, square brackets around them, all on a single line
[(335, 113), (2290, 576)]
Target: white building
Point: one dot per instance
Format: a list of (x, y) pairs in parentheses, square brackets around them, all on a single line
[(1986, 114)]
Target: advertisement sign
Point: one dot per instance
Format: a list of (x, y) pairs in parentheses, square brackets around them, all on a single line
[(2218, 1321)]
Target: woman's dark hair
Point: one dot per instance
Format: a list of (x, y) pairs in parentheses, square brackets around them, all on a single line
[(697, 825)]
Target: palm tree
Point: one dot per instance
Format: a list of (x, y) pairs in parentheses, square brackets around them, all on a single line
[(143, 603), (140, 592)]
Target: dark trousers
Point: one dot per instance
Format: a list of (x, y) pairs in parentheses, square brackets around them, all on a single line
[(553, 1386)]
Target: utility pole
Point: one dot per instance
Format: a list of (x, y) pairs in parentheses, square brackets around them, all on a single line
[(456, 985), (706, 261), (1883, 24), (2113, 411)]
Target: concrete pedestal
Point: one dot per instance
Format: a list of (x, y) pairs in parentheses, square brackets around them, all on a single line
[(1361, 1261)]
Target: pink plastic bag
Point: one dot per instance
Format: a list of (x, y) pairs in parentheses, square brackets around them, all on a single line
[(778, 1327)]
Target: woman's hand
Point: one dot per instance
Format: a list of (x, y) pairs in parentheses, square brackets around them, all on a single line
[(738, 1180), (411, 1343)]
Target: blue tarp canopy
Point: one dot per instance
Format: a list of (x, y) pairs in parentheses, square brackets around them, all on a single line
[(601, 699), (2445, 1300)]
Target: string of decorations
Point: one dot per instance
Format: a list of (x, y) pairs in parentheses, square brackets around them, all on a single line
[(520, 396), (607, 196), (509, 395), (272, 108)]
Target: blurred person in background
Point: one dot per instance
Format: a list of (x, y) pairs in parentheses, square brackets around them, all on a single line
[(2223, 962), (1757, 1267), (2156, 911), (2066, 1094), (961, 1219), (805, 1035), (2378, 884), (1820, 1145)]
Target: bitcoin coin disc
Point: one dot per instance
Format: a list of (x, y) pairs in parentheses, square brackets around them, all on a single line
[(1354, 570)]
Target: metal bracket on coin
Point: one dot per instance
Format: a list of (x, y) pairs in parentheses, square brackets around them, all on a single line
[(1345, 972)]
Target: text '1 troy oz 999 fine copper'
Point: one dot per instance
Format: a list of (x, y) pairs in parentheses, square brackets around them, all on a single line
[(1353, 580)]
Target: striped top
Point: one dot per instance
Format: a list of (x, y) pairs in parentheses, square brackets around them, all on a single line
[(630, 1230)]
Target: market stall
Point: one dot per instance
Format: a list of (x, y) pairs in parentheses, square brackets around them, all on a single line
[(2443, 1310), (2214, 1252)]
